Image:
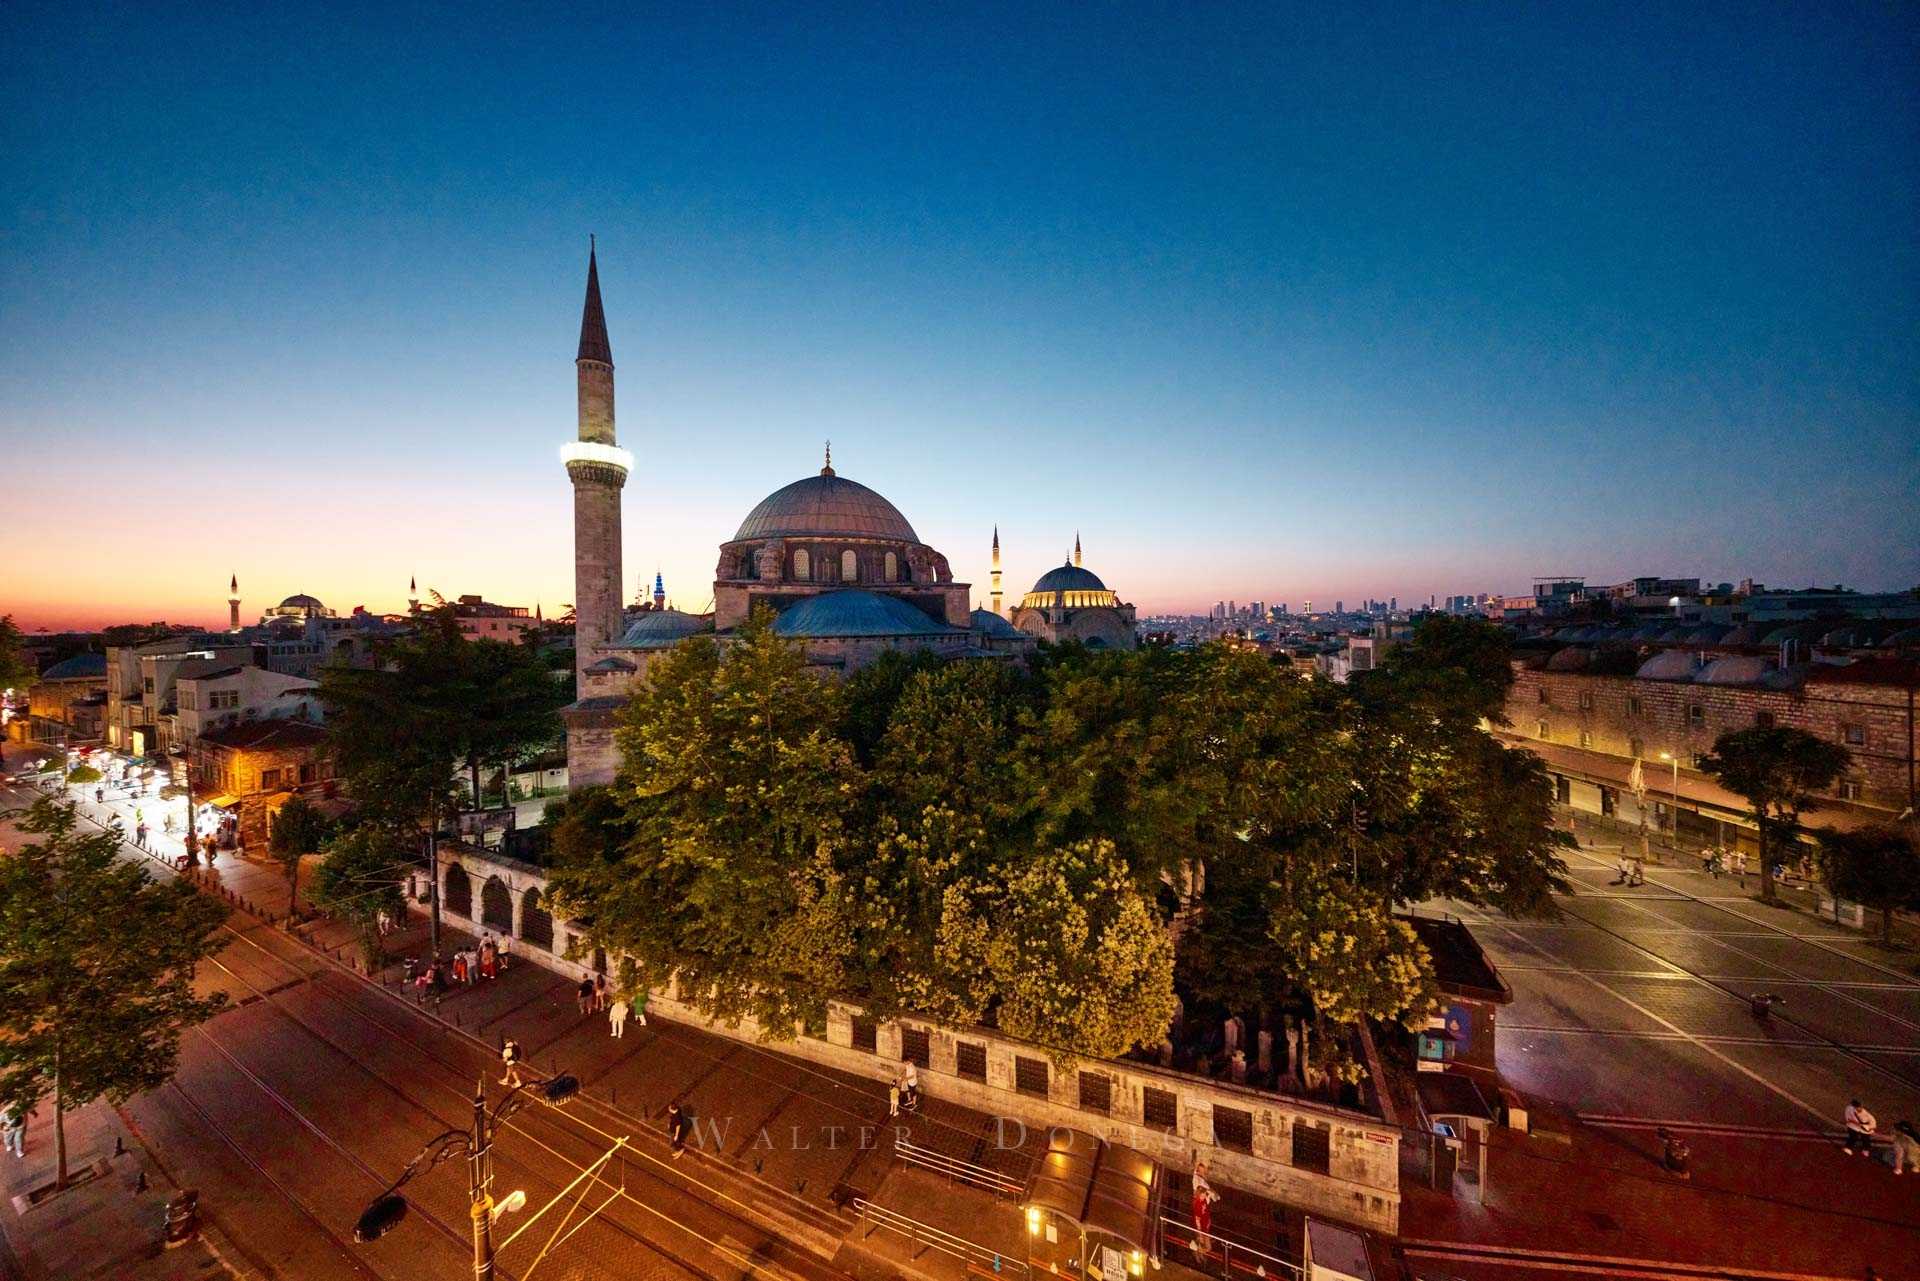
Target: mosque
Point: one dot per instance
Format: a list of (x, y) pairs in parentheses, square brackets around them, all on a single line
[(844, 570)]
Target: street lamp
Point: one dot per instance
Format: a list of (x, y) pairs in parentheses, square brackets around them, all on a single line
[(475, 1144), (1674, 760)]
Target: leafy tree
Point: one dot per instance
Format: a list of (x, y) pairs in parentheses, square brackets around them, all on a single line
[(359, 880), (734, 791), (1077, 958), (96, 969), (16, 669), (1877, 867), (871, 694), (1779, 771), (299, 830), (1453, 667), (81, 775)]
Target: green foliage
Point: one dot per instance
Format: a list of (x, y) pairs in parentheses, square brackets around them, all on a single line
[(1779, 771), (360, 880), (16, 669), (299, 829), (81, 775), (96, 968), (1051, 850), (1877, 867)]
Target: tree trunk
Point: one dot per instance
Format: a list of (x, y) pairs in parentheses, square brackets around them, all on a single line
[(59, 1122), (1766, 868), (473, 769), (293, 887)]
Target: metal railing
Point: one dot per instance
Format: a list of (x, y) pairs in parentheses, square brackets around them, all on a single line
[(1222, 1256), (954, 1168), (978, 1258)]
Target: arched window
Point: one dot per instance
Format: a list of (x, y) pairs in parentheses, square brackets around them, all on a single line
[(496, 905), (536, 923), (459, 891), (802, 565), (893, 568), (849, 567)]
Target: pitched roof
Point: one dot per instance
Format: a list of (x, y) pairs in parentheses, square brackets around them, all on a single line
[(271, 733), (593, 320)]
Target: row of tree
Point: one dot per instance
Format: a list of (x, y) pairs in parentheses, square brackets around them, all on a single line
[(1056, 850)]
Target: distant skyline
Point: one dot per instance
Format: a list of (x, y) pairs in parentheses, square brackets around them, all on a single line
[(1266, 302)]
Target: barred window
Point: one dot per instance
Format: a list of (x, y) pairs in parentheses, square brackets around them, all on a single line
[(866, 1034), (1233, 1128), (914, 1047), (1160, 1108), (971, 1060), (1096, 1092), (1312, 1147), (1030, 1075)]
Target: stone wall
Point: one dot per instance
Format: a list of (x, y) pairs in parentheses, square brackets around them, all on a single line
[(1267, 1143), (1624, 716)]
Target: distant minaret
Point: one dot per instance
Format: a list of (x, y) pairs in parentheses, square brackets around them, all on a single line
[(996, 569), (413, 595), (233, 603), (1076, 547), (598, 468), (659, 591)]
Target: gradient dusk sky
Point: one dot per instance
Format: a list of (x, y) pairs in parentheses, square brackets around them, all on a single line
[(1268, 302)]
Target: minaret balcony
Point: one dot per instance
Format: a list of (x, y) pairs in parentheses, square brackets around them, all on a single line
[(592, 462)]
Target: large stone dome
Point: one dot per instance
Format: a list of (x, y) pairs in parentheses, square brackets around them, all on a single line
[(1070, 578), (301, 601), (826, 504)]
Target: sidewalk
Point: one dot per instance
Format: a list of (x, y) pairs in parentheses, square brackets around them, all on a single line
[(1758, 1202), (102, 1226)]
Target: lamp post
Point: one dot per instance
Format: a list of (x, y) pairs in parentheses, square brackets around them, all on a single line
[(1673, 758), (475, 1144)]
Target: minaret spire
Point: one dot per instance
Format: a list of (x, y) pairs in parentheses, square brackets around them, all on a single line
[(233, 603), (996, 569), (1076, 547), (593, 317)]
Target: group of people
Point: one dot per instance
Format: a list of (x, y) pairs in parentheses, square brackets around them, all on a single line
[(466, 967), (903, 1095), (594, 995), (1862, 1125), (1632, 869), (1718, 862)]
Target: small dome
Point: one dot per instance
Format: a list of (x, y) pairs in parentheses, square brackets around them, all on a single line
[(826, 504), (1668, 665), (79, 667), (662, 629), (1069, 578), (856, 613), (1735, 669), (988, 623), (1574, 658)]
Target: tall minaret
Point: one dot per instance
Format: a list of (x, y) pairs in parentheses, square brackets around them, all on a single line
[(598, 468), (413, 595), (233, 603), (1076, 547), (659, 591), (996, 569)]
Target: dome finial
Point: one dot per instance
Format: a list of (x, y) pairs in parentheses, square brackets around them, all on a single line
[(828, 469)]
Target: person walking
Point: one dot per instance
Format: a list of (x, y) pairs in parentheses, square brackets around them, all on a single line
[(1625, 869), (893, 1097), (617, 1017), (640, 1004), (1637, 872), (14, 1126), (676, 1130), (510, 1056), (1906, 1147), (1860, 1127), (460, 968), (910, 1088), (599, 992), (1740, 866), (583, 996)]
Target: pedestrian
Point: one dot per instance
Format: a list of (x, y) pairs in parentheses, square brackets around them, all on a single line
[(893, 1097), (640, 1004), (1625, 869), (910, 1088), (617, 1017), (460, 967), (1639, 872), (489, 960), (599, 991), (504, 952), (510, 1056), (676, 1130), (1860, 1126), (14, 1126), (583, 996), (1906, 1147), (140, 835)]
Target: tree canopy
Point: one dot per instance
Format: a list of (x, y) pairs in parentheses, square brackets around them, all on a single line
[(1877, 867), (360, 880), (1779, 770), (1055, 851), (299, 829), (96, 968), (16, 668)]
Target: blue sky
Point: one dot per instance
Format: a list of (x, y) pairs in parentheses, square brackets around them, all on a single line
[(1267, 302)]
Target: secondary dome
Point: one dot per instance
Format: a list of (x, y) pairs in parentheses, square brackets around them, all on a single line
[(662, 629), (856, 613), (1069, 587), (826, 504)]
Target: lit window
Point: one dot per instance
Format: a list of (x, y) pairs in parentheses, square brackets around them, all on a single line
[(802, 565), (849, 566), (893, 568), (1856, 735)]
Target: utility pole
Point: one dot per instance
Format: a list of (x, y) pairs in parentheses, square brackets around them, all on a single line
[(479, 1177)]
